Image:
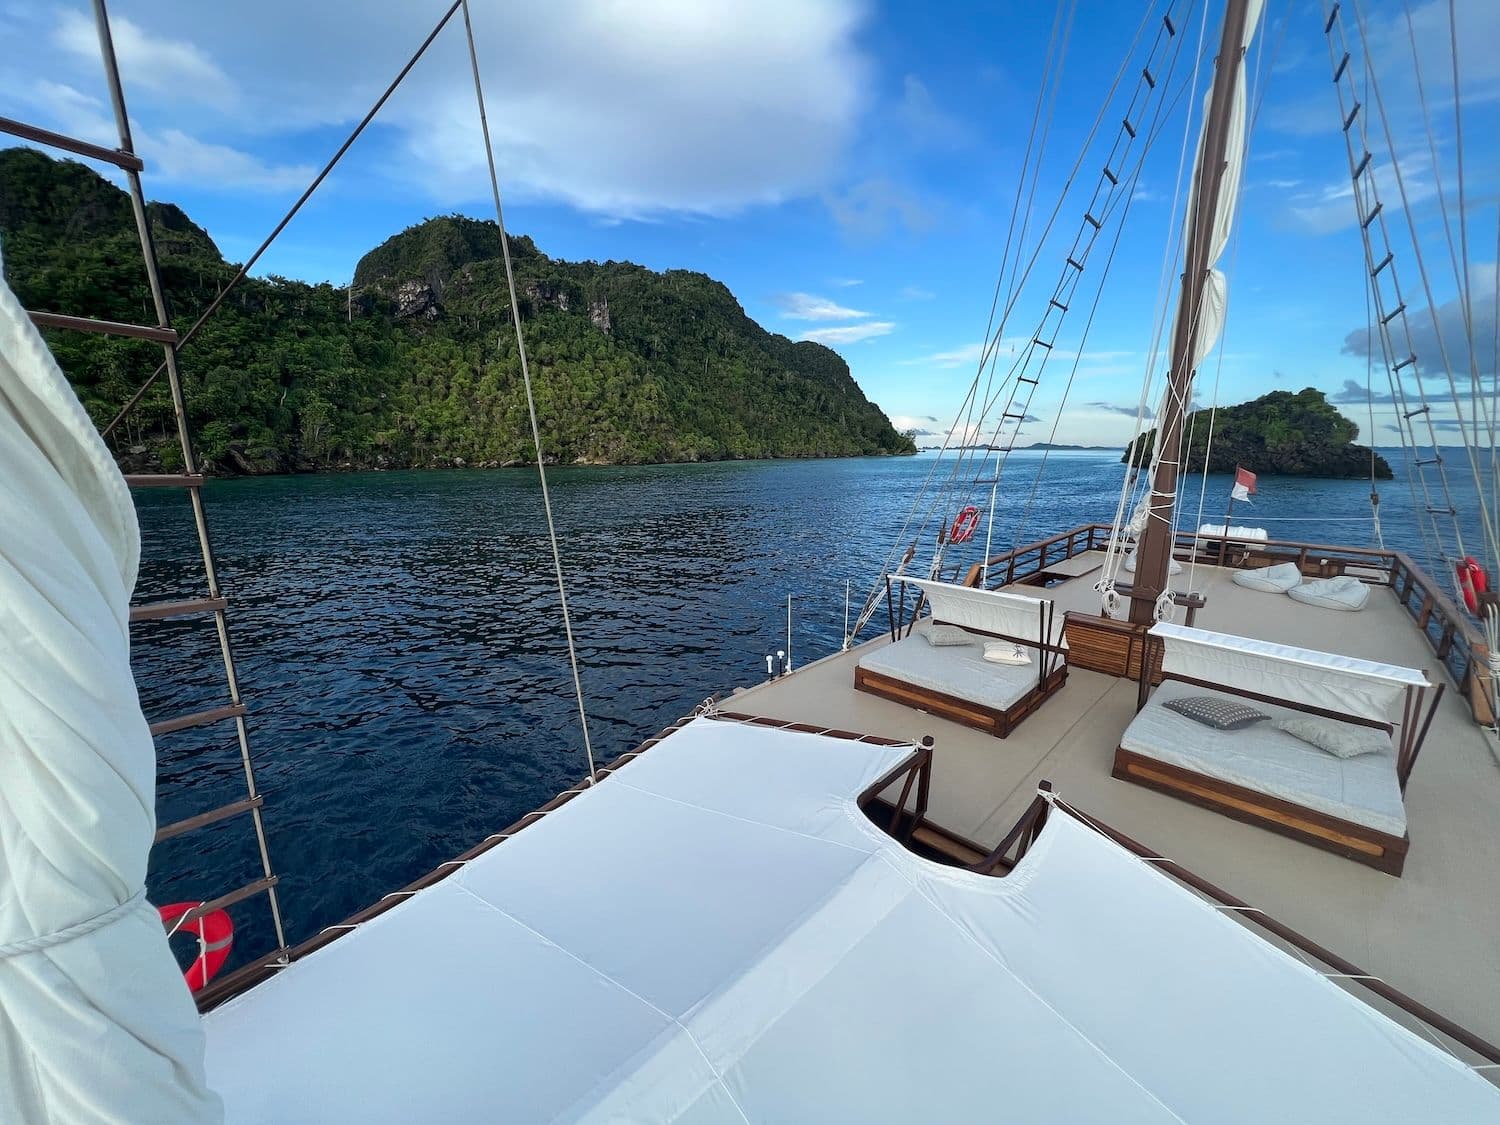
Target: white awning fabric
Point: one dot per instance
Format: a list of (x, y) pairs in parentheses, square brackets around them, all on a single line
[(96, 1023), (992, 611), (1302, 675), (716, 933)]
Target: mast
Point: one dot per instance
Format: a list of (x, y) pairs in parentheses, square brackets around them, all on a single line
[(1154, 554)]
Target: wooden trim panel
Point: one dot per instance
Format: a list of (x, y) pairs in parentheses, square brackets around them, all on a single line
[(991, 720), (1354, 841)]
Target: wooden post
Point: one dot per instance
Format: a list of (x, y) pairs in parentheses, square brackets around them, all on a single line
[(1154, 555)]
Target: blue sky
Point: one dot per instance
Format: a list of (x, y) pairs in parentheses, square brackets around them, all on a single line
[(848, 169)]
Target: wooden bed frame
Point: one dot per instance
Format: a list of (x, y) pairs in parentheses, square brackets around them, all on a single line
[(1052, 673), (1358, 842)]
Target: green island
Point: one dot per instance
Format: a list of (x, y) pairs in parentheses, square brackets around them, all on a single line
[(1297, 434), (416, 364)]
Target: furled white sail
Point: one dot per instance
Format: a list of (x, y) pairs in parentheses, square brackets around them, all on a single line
[(1215, 288), (96, 1023)]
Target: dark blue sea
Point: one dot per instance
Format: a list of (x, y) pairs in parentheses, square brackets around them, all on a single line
[(401, 654)]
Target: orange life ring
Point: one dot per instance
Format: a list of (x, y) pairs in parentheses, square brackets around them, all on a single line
[(1472, 582), (964, 525), (215, 934)]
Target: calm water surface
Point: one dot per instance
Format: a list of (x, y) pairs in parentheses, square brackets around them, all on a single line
[(401, 654)]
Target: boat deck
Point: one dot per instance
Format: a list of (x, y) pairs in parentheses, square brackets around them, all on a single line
[(1434, 933)]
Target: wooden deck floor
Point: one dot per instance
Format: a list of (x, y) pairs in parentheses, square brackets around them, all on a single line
[(1434, 933)]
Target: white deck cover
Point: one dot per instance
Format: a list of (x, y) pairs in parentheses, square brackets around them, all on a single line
[(1345, 684), (1014, 615), (717, 934), (96, 1023)]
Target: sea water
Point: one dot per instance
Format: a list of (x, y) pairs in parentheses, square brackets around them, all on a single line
[(401, 653)]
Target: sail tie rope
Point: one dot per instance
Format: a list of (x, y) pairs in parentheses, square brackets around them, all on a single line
[(39, 942), (536, 432)]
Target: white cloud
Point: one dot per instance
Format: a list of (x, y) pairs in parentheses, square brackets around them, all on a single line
[(966, 355), (179, 158), (171, 156), (1011, 348), (807, 306), (846, 282), (918, 113), (849, 333), (169, 66), (920, 424), (871, 207), (1331, 207), (917, 293), (627, 110)]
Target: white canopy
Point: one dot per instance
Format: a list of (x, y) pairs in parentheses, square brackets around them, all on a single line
[(716, 934), (96, 1023), (1302, 675), (992, 611)]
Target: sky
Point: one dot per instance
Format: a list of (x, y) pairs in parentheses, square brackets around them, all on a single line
[(851, 170)]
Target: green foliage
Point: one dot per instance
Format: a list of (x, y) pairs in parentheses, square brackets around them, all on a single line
[(1298, 435), (419, 365)]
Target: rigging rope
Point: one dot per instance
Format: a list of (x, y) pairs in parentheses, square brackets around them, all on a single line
[(536, 432), (1114, 551), (994, 336), (1485, 517), (244, 270)]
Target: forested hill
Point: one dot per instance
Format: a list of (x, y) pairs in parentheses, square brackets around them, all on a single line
[(418, 366), (1294, 434)]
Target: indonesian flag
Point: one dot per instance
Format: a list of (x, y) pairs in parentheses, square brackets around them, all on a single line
[(1244, 484)]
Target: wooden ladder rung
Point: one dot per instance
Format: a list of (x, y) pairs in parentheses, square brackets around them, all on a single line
[(157, 611), (107, 327), (228, 900), (164, 480), (118, 157), (203, 820), (199, 718)]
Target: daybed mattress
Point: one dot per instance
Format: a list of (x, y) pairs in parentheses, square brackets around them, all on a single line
[(1362, 790), (957, 670)]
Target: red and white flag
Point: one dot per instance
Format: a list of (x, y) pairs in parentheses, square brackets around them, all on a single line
[(1244, 484)]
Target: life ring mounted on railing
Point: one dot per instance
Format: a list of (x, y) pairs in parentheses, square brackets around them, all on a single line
[(964, 525), (215, 934), (1472, 582)]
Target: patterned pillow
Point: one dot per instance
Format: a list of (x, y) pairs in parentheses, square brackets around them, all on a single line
[(1342, 740), (942, 635), (1215, 711), (1006, 652)]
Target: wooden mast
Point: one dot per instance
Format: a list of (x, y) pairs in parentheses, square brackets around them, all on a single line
[(1154, 554)]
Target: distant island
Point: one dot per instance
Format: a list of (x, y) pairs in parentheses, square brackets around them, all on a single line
[(1280, 433), (416, 366)]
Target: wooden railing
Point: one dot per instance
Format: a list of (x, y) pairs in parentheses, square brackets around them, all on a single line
[(1453, 635)]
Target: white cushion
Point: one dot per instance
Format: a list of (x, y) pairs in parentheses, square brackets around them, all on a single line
[(1276, 579), (1342, 740), (1006, 652), (1173, 566), (1343, 592), (940, 636)]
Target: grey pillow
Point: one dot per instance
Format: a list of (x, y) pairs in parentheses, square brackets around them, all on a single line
[(1342, 740), (1215, 711), (942, 635)]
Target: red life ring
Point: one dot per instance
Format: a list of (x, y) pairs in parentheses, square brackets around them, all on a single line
[(964, 525), (1472, 582), (215, 934)]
